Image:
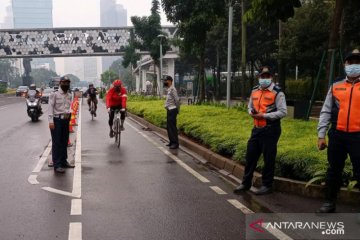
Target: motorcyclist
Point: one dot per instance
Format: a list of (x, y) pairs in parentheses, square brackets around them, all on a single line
[(116, 99), (91, 93), (37, 95)]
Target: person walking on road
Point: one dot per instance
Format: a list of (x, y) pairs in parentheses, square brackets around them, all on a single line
[(267, 105), (59, 117), (116, 99), (341, 109), (172, 106)]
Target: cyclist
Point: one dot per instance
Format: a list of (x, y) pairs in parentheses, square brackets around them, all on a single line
[(116, 99), (91, 93)]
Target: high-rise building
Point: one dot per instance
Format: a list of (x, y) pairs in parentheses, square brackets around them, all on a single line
[(90, 70), (34, 14), (8, 19), (111, 15)]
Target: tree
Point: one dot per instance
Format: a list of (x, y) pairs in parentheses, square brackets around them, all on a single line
[(108, 77), (130, 57), (194, 20), (147, 29), (9, 73), (125, 74), (42, 76), (74, 79)]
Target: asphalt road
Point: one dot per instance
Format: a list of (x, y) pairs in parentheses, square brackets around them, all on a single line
[(140, 191)]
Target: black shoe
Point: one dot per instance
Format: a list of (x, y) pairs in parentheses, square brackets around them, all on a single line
[(263, 190), (59, 170), (327, 207), (241, 188), (94, 114), (174, 146), (68, 165), (111, 134), (168, 145)]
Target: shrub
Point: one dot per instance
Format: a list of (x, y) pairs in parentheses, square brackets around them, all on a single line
[(226, 131)]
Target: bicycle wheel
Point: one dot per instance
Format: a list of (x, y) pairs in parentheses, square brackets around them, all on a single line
[(118, 134), (115, 129), (92, 110)]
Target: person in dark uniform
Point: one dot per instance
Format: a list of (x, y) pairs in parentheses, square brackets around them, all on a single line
[(91, 93), (59, 118), (267, 105), (341, 110), (172, 105)]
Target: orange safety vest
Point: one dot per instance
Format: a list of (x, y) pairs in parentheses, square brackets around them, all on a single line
[(345, 112), (263, 101)]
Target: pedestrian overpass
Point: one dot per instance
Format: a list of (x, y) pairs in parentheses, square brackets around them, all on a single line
[(78, 42)]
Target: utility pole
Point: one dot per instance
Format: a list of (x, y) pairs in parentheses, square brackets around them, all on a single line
[(243, 52)]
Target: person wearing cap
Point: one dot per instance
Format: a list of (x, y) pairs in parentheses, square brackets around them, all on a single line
[(267, 105), (116, 99), (59, 118), (341, 110), (172, 106)]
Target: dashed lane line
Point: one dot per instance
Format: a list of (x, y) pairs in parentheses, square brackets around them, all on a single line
[(32, 179), (75, 231), (218, 190), (172, 156), (76, 207), (240, 206)]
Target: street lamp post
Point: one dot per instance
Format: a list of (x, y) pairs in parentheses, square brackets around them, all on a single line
[(161, 37), (229, 53)]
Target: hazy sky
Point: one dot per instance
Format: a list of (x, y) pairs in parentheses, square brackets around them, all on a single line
[(86, 13)]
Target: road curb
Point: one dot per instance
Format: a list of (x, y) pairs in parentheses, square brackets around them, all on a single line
[(235, 171)]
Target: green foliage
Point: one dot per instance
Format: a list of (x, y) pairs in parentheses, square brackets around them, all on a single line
[(74, 79), (125, 74), (298, 89), (271, 10), (130, 56), (227, 131), (42, 76), (108, 77)]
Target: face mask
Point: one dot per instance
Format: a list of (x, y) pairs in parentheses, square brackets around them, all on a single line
[(65, 88), (352, 70), (117, 89), (166, 84), (264, 82)]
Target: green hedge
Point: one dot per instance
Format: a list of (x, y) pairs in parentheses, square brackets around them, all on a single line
[(227, 131)]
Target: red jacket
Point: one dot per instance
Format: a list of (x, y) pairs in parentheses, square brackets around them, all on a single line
[(114, 99)]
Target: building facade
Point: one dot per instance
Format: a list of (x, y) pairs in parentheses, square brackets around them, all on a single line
[(111, 15)]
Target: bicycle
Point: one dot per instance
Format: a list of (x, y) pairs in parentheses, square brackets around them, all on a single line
[(92, 109), (117, 127)]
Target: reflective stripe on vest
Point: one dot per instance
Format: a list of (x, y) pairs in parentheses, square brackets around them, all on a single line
[(346, 100)]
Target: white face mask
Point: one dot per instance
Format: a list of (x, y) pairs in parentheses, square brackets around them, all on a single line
[(264, 82), (352, 70)]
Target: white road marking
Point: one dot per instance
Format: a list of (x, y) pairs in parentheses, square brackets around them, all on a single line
[(2, 108), (75, 231), (32, 179), (57, 191), (240, 206), (43, 158), (277, 233), (218, 190), (76, 207), (77, 170), (176, 159)]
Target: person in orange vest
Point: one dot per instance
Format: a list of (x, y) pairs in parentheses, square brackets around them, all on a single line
[(341, 110), (267, 105)]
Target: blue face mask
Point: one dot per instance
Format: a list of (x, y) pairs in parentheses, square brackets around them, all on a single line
[(352, 70), (264, 82)]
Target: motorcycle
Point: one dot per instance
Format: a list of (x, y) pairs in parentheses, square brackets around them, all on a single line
[(33, 106)]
